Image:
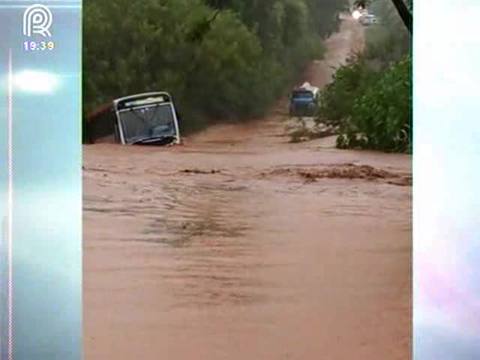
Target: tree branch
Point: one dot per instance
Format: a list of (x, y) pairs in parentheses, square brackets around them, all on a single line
[(405, 14)]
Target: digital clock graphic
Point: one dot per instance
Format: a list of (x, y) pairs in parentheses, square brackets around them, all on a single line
[(38, 45)]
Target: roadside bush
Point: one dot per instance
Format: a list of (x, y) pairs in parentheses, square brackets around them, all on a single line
[(349, 82), (381, 117)]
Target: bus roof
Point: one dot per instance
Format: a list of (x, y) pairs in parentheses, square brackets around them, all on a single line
[(142, 99), (136, 100)]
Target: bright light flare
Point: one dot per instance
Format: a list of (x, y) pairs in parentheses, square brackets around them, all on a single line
[(356, 14), (37, 82)]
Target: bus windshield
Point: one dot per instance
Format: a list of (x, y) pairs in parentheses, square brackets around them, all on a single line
[(148, 122)]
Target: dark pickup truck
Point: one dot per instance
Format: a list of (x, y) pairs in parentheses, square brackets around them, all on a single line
[(304, 100)]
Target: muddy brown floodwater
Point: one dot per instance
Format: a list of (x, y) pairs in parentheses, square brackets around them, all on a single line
[(241, 245)]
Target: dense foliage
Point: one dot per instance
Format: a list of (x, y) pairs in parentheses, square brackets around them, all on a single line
[(350, 81), (381, 113), (219, 59), (369, 100)]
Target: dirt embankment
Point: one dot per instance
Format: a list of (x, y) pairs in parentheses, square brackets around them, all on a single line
[(241, 245)]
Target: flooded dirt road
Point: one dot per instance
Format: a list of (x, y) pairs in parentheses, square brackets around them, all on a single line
[(240, 245)]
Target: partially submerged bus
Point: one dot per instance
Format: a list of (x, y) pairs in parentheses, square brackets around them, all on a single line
[(142, 119)]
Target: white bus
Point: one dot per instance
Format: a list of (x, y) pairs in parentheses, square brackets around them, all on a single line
[(141, 119)]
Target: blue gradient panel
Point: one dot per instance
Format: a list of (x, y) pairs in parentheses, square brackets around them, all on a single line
[(446, 180), (42, 47)]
